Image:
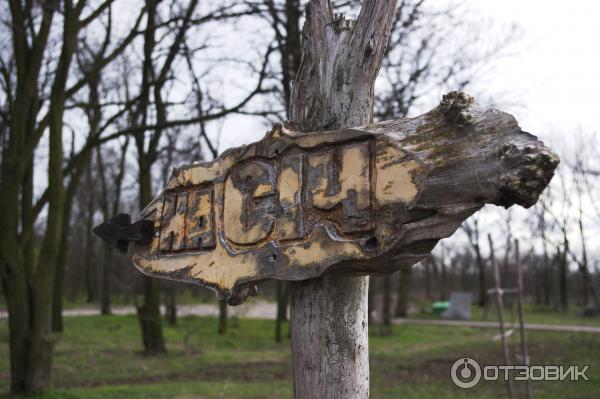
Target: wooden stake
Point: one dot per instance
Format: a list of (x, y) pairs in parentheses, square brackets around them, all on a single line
[(520, 303), (500, 303)]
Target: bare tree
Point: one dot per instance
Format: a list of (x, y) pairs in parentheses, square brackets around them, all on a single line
[(109, 208), (471, 229), (36, 76)]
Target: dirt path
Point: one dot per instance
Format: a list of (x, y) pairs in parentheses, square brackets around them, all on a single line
[(253, 310), (491, 324), (267, 310)]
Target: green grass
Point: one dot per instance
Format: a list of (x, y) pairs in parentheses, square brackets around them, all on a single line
[(99, 357)]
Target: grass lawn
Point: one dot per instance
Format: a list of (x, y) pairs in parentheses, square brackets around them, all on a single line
[(98, 357)]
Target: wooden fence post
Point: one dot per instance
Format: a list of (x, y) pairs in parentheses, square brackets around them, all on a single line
[(520, 302), (500, 303)]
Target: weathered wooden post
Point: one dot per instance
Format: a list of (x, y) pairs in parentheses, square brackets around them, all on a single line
[(324, 209), (329, 315)]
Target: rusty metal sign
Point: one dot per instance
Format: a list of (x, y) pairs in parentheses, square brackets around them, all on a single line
[(366, 200)]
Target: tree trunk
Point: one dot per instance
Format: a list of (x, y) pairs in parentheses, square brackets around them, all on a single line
[(282, 303), (170, 304), (428, 277), (370, 303), (482, 301), (14, 281), (59, 277), (564, 271), (106, 269), (105, 305), (386, 320), (41, 344), (443, 278), (403, 291), (546, 266), (149, 318), (222, 317), (149, 312), (334, 89), (88, 256)]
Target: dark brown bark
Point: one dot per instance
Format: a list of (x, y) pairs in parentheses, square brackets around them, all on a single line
[(222, 317), (105, 295), (386, 321), (149, 311), (88, 255), (150, 320), (428, 278), (370, 302), (289, 45), (59, 275), (16, 264), (42, 341), (404, 285), (282, 304), (29, 287), (170, 304)]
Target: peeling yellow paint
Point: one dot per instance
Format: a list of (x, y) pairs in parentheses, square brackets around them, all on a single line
[(394, 181), (320, 250), (316, 220), (263, 189), (289, 186)]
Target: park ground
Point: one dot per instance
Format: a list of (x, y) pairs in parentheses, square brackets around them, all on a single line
[(99, 357)]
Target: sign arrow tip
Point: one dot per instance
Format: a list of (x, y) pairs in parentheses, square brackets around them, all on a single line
[(118, 231)]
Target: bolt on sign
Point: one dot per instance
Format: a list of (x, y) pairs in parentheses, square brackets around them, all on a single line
[(365, 200)]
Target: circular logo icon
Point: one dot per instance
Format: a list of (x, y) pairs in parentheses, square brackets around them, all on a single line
[(465, 373)]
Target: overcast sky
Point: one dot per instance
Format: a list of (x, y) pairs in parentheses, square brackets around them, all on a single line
[(551, 77), (556, 65)]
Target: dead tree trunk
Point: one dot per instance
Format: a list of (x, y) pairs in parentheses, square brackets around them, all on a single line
[(334, 89)]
